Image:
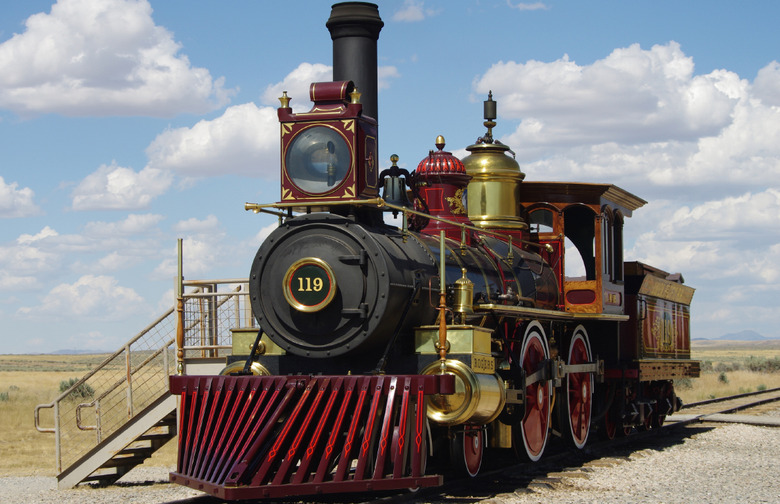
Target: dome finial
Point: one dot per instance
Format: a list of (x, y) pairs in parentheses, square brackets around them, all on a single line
[(285, 100), (489, 108)]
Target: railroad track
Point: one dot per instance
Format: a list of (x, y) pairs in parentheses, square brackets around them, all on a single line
[(756, 399), (560, 463), (725, 409)]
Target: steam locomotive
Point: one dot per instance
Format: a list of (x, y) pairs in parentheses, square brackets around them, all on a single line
[(454, 334)]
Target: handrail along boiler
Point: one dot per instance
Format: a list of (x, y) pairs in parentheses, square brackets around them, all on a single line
[(383, 348)]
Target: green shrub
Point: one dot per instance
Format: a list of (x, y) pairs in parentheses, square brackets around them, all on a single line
[(762, 364), (727, 367), (761, 387), (83, 391), (723, 378), (4, 396)]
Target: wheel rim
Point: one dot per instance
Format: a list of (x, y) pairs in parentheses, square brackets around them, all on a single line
[(473, 449), (466, 450), (534, 427), (579, 392)]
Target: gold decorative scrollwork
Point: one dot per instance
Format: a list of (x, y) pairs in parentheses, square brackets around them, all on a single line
[(665, 332), (456, 203)]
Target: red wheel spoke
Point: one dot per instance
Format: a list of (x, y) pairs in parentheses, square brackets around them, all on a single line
[(534, 428), (579, 390)]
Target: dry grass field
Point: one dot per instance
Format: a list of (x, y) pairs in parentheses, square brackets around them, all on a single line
[(732, 367), (25, 382), (29, 380)]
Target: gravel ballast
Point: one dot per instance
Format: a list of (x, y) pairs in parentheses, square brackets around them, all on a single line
[(730, 463)]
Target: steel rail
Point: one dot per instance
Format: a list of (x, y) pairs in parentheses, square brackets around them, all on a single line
[(729, 398)]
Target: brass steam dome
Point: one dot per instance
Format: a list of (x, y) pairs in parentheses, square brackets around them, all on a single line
[(493, 191)]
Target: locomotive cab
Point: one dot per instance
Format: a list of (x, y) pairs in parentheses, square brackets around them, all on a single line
[(583, 224)]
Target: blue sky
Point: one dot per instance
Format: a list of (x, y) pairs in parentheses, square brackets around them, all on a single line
[(127, 124)]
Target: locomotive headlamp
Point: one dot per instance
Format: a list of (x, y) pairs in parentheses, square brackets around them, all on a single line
[(318, 158), (328, 153)]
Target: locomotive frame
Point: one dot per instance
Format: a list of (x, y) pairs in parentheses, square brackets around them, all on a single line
[(381, 348)]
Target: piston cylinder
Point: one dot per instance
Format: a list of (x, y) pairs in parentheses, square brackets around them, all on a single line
[(478, 398)]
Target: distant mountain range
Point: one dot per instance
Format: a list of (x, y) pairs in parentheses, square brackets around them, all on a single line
[(746, 335)]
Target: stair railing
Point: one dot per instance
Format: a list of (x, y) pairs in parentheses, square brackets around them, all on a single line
[(128, 381), (142, 365), (137, 374)]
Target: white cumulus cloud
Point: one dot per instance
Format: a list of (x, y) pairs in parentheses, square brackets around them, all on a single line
[(642, 117), (113, 187), (631, 96), (31, 254), (133, 224), (15, 202), (244, 141), (97, 297), (202, 253), (766, 86), (297, 83), (749, 217), (100, 58), (197, 226)]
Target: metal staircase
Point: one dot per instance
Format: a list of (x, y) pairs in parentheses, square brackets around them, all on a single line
[(128, 447), (101, 422), (121, 412)]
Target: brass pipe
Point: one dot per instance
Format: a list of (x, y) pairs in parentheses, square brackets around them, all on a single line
[(442, 304), (381, 203), (179, 311)]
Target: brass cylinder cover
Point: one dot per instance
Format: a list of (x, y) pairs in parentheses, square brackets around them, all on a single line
[(494, 187), (478, 398)]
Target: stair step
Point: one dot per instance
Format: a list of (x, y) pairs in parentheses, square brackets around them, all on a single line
[(125, 448), (125, 462), (102, 478), (135, 452), (154, 437)]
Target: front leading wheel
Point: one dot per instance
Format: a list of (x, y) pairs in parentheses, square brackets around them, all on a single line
[(467, 449)]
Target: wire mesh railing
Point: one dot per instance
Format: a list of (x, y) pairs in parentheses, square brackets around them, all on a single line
[(115, 391), (133, 377), (210, 314)]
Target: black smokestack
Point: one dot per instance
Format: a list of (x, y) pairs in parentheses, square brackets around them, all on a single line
[(354, 28)]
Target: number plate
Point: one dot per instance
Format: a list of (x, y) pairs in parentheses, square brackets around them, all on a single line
[(309, 284)]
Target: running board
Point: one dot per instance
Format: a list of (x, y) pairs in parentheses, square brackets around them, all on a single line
[(250, 437)]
